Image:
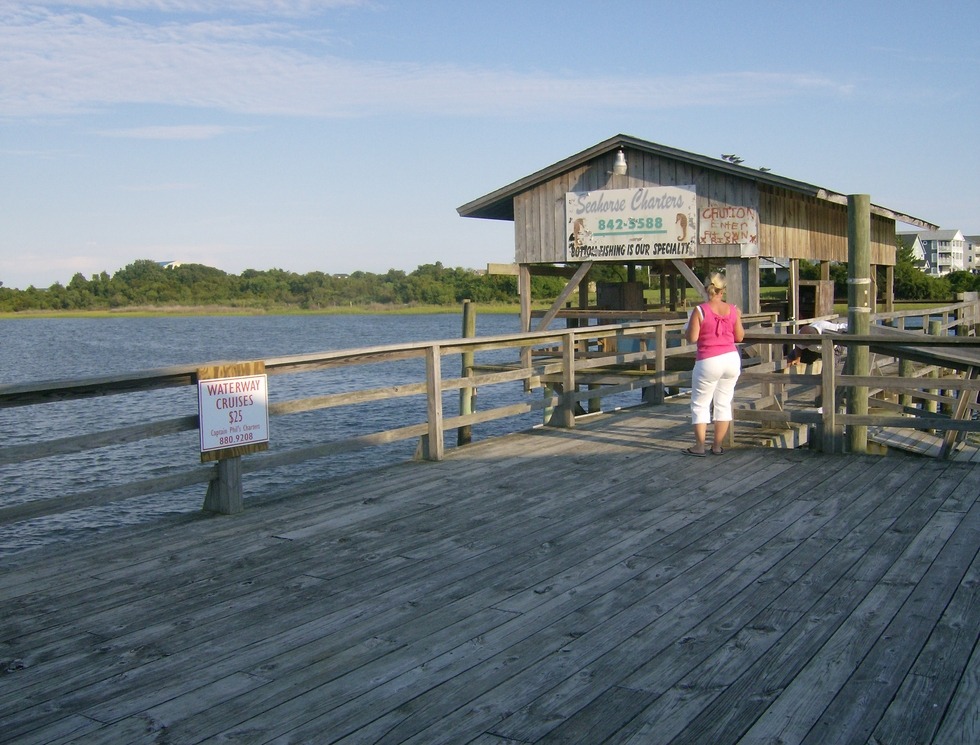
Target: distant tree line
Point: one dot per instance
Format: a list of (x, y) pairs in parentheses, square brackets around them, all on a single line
[(147, 283)]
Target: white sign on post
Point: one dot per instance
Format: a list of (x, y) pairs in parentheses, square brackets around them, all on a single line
[(631, 224), (234, 412)]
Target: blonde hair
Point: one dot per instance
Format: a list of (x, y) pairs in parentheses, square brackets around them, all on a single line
[(716, 283)]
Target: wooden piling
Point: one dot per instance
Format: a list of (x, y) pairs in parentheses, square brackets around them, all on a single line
[(858, 309), (224, 494), (467, 394)]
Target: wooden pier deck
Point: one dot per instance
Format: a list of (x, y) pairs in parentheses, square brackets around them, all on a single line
[(592, 585)]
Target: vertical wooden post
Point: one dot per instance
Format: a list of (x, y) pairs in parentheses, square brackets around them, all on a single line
[(767, 357), (873, 276), (568, 380), (224, 494), (655, 394), (858, 309), (966, 314), (548, 412), (524, 295), (659, 390), (583, 294), (963, 404), (433, 447), (743, 283), (934, 328), (794, 290), (830, 437), (889, 289), (467, 394), (595, 404), (905, 370)]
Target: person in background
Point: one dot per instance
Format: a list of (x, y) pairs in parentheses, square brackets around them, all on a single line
[(808, 354), (716, 327)]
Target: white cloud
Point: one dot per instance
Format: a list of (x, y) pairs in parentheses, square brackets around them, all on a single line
[(160, 187), (177, 132), (263, 7), (55, 63)]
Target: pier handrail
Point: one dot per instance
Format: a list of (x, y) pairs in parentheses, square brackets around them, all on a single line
[(941, 396), (575, 368), (591, 348)]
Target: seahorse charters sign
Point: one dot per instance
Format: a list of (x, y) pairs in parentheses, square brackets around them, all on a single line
[(631, 224)]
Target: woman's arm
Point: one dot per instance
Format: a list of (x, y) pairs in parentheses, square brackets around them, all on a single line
[(693, 330), (737, 326)]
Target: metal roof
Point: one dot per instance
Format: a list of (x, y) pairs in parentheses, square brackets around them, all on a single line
[(937, 235), (499, 204)]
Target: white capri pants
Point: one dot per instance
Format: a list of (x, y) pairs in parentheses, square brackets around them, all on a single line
[(713, 380)]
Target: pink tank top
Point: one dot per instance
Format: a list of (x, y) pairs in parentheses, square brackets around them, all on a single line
[(717, 334)]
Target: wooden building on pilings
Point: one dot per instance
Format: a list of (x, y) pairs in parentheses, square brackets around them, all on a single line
[(736, 216)]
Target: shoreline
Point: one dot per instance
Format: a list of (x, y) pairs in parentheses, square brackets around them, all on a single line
[(224, 310), (361, 310)]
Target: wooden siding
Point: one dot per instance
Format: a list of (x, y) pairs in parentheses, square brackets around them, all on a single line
[(791, 225), (797, 226)]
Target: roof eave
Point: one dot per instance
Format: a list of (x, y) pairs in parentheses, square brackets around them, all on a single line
[(499, 204)]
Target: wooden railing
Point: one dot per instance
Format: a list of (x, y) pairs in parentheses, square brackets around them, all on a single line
[(575, 367), (941, 396), (549, 354)]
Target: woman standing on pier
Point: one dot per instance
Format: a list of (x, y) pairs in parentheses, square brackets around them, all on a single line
[(716, 327)]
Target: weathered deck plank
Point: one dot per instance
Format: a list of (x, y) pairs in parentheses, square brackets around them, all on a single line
[(587, 585)]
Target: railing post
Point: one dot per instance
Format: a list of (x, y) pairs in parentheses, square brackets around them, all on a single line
[(467, 394), (656, 394), (524, 295), (933, 328), (830, 437), (548, 413), (224, 495), (905, 370), (433, 447), (966, 314), (568, 379)]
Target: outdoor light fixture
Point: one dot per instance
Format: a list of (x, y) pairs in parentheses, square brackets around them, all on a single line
[(619, 165)]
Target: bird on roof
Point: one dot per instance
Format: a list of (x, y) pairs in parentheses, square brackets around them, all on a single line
[(727, 157), (765, 170)]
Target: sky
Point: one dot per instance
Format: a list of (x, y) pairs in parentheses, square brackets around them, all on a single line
[(342, 135)]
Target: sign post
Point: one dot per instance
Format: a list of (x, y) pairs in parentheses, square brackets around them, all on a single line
[(233, 415)]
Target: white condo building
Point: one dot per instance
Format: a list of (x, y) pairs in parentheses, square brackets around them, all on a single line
[(943, 251), (972, 249)]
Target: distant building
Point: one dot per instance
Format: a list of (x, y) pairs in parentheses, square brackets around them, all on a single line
[(911, 241), (169, 264), (972, 248), (944, 251)]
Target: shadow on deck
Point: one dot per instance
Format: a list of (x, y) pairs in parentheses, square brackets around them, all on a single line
[(592, 585)]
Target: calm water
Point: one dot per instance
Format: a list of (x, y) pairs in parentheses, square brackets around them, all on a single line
[(34, 350)]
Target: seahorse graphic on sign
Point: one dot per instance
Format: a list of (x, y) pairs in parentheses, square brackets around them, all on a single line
[(682, 226), (579, 233)]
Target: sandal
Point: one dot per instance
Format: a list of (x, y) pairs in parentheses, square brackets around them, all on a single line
[(719, 451), (688, 451)]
